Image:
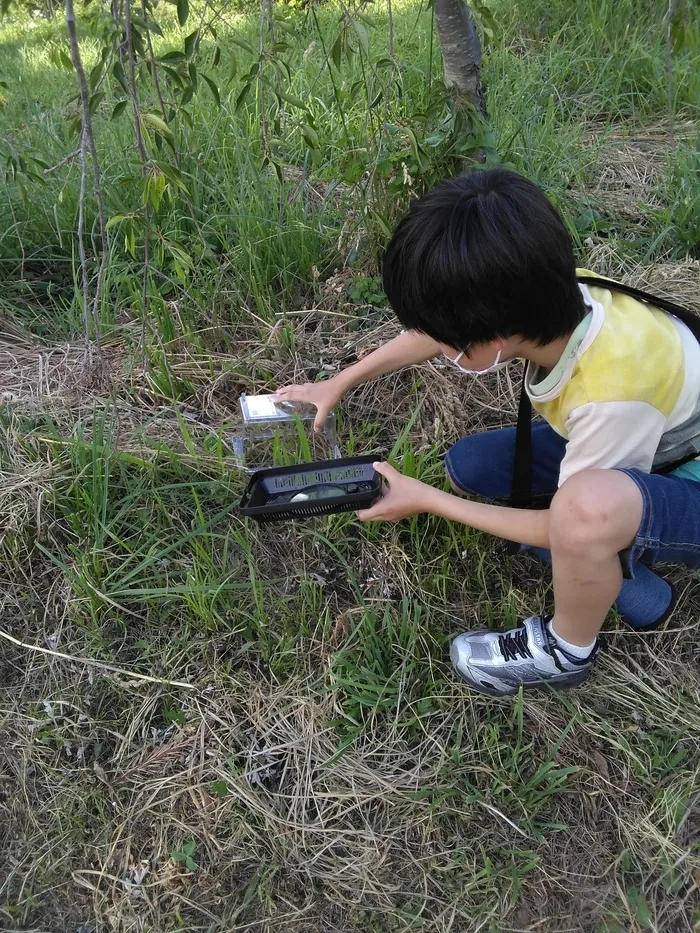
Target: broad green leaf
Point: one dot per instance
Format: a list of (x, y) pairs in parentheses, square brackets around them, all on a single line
[(155, 189), (240, 100), (191, 43), (120, 75), (192, 71), (65, 59), (364, 17), (233, 67), (138, 43), (173, 56), (294, 101), (278, 171), (217, 56), (75, 127), (95, 75), (183, 11), (214, 90), (244, 44), (362, 36), (337, 51), (219, 789), (113, 221), (173, 174), (172, 74), (130, 241), (418, 155), (638, 903), (310, 135), (354, 88), (96, 100), (119, 109), (285, 27), (157, 123)]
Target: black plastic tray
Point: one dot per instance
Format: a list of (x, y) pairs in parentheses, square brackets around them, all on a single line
[(264, 485)]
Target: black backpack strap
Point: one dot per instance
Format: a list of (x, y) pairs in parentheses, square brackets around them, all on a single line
[(692, 321), (521, 486)]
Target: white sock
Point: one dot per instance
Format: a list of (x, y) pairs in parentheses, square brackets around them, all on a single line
[(576, 651)]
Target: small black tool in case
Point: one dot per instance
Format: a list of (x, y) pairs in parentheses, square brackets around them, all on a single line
[(318, 488)]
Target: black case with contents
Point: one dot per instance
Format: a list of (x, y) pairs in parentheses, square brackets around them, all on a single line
[(307, 489)]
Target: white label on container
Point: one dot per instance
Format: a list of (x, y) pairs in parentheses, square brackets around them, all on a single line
[(263, 406)]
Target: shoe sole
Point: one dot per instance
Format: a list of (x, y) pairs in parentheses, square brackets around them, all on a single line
[(574, 681)]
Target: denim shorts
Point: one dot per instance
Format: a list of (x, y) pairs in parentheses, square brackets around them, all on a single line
[(482, 465)]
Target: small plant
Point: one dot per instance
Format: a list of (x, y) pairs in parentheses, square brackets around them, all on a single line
[(367, 290), (185, 853)]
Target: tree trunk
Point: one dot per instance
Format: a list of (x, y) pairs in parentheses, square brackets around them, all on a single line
[(461, 50)]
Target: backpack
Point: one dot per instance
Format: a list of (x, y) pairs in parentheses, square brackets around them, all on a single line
[(521, 486)]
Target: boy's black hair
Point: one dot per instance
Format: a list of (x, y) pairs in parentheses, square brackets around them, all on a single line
[(482, 256)]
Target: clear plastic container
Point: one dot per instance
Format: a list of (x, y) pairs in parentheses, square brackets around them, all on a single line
[(273, 434)]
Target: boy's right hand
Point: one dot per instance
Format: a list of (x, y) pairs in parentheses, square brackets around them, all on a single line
[(324, 395)]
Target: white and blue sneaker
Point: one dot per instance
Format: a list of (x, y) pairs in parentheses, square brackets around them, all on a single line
[(529, 656)]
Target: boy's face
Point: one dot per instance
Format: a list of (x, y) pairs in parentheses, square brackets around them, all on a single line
[(477, 358)]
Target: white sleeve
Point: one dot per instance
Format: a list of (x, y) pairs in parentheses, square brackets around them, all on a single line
[(605, 435)]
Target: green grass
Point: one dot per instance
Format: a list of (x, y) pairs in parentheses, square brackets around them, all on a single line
[(326, 771)]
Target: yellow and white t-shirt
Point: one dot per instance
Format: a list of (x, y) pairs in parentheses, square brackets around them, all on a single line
[(626, 390)]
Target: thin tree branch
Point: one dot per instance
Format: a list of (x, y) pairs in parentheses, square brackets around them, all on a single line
[(391, 29), (154, 64), (668, 23), (261, 89), (64, 161), (87, 143), (140, 145)]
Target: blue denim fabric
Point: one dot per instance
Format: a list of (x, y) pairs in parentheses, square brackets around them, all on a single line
[(670, 526), (482, 465)]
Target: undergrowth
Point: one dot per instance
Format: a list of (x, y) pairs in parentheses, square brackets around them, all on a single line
[(302, 757)]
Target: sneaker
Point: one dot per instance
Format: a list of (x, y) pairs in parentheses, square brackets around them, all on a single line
[(529, 656)]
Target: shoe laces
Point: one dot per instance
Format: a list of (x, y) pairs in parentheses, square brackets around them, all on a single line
[(514, 644)]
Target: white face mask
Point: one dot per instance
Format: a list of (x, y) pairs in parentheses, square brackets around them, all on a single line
[(480, 372)]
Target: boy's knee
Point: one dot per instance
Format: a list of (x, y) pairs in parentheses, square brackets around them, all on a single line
[(593, 510)]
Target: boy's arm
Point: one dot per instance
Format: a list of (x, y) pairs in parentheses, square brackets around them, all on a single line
[(520, 525), (406, 496), (602, 435), (407, 349)]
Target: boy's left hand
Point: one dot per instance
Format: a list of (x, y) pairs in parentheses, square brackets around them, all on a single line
[(403, 497)]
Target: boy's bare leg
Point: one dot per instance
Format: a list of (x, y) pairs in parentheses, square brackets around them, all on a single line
[(594, 515)]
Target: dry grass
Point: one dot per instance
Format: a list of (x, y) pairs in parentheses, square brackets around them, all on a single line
[(400, 827), (328, 773), (444, 811), (630, 167)]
